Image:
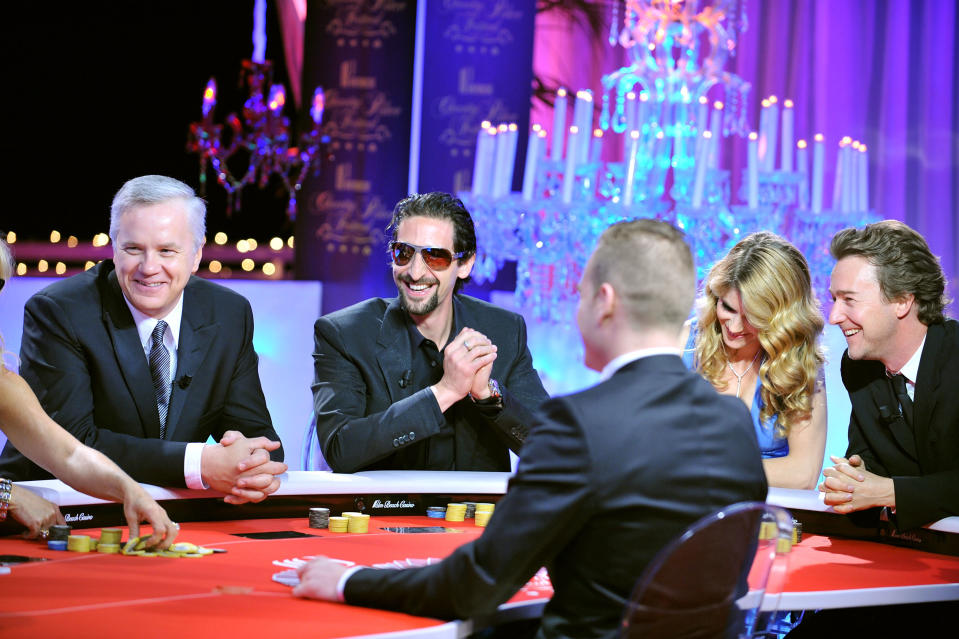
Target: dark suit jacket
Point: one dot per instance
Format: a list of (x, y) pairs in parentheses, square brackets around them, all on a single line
[(367, 420), (82, 356), (607, 477), (923, 461)]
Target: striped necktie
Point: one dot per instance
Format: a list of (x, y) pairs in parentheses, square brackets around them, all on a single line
[(160, 371)]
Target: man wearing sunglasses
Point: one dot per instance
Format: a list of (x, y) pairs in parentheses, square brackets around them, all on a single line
[(431, 379)]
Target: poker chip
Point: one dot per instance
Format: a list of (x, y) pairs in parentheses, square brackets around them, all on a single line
[(339, 524), (485, 507), (110, 535), (481, 518), (59, 532), (319, 517), (78, 543), (108, 549), (349, 513), (470, 509), (455, 512), (358, 523), (183, 546), (436, 512), (57, 544), (134, 545), (783, 546), (768, 530), (797, 531)]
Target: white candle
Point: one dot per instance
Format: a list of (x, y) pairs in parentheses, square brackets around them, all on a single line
[(483, 162), (536, 137), (596, 147), (559, 125), (512, 138), (802, 167), (752, 172), (763, 130), (773, 124), (839, 182), (818, 169), (702, 114), (863, 178), (569, 172), (702, 163), (583, 119), (259, 31), (715, 124), (631, 168), (786, 159)]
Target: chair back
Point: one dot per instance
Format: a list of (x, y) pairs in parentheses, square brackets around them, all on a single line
[(710, 581)]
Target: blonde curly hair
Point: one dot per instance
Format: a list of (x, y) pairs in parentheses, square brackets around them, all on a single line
[(772, 278)]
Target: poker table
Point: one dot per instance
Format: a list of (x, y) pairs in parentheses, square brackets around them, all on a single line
[(233, 593)]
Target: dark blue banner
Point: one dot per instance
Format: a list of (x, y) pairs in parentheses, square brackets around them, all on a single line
[(361, 53), (477, 65)]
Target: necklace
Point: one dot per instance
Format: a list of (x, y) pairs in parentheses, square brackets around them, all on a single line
[(739, 376)]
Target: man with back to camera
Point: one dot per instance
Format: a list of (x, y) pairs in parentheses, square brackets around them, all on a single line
[(608, 476), (431, 379), (142, 361)]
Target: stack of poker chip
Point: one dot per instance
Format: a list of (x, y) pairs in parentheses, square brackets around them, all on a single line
[(436, 512), (483, 513), (111, 536), (319, 517), (59, 533), (78, 543), (797, 531), (358, 523), (455, 511), (338, 524), (470, 509)]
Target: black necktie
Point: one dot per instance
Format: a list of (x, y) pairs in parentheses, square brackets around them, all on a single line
[(899, 388), (160, 371)]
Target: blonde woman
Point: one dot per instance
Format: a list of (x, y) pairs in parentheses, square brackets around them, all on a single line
[(26, 424), (757, 338)]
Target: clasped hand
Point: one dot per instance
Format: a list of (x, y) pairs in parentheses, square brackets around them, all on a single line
[(242, 468), (467, 364), (849, 487)]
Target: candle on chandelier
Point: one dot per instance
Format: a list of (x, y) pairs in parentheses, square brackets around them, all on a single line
[(500, 154), (702, 114), (702, 163), (715, 123), (786, 159), (818, 169), (276, 99), (536, 139), (752, 172), (259, 31), (569, 172), (583, 120), (802, 167), (483, 158), (771, 138), (631, 168), (596, 147), (559, 124), (841, 175), (863, 178), (763, 130), (209, 97), (319, 104)]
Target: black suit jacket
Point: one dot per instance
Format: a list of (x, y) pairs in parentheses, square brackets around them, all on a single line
[(607, 477), (923, 461), (367, 419), (82, 356)]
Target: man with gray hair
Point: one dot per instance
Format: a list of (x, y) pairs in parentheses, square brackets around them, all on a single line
[(142, 361), (608, 476)]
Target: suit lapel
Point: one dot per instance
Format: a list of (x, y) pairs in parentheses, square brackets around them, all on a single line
[(197, 332), (393, 355), (128, 350), (927, 384), (882, 396)]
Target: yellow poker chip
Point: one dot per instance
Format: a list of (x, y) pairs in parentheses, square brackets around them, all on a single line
[(182, 546), (191, 555), (170, 553), (204, 551)]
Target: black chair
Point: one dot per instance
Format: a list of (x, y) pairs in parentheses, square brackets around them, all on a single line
[(714, 580)]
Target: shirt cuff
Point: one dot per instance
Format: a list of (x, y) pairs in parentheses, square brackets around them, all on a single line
[(341, 584), (192, 471)]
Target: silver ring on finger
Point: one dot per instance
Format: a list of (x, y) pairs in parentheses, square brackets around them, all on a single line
[(44, 533), (466, 343)]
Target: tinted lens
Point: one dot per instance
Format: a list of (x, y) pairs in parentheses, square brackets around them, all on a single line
[(437, 259)]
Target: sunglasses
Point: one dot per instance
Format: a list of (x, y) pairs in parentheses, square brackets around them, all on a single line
[(436, 259)]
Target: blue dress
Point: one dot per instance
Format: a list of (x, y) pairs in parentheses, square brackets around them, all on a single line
[(771, 443)]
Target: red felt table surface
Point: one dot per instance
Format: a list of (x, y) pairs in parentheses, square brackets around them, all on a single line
[(827, 563), (230, 594)]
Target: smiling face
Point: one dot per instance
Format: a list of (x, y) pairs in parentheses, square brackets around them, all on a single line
[(422, 290), (868, 322), (738, 333), (154, 256)]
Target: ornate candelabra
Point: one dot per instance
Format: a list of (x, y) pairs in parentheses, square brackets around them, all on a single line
[(256, 144)]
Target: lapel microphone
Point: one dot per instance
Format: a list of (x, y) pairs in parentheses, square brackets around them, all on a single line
[(184, 381), (406, 379), (887, 416)]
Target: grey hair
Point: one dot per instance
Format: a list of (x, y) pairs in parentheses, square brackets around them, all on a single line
[(156, 189), (6, 262)]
